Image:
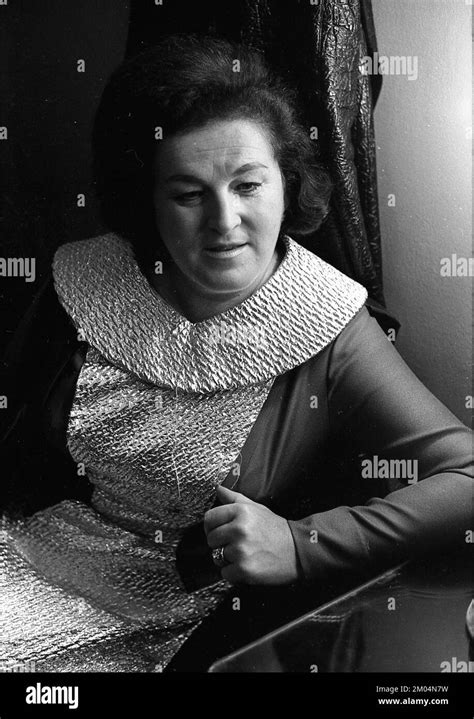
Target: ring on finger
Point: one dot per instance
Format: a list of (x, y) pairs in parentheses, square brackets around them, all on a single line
[(218, 557)]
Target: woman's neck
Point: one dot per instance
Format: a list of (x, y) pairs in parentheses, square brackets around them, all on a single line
[(194, 303)]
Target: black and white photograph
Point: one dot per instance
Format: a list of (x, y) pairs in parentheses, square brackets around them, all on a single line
[(236, 345)]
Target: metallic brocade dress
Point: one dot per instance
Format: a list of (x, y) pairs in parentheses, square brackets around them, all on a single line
[(161, 411)]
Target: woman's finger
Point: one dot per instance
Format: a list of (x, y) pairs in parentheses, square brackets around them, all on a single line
[(221, 536), (219, 515), (233, 574)]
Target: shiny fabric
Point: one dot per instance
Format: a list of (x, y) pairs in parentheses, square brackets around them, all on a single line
[(300, 309), (301, 459), (158, 420), (47, 626), (318, 48)]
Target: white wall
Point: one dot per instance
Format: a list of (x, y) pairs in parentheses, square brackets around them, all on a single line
[(424, 159)]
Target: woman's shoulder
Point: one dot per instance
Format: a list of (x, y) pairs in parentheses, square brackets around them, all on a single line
[(90, 249), (370, 327), (371, 315)]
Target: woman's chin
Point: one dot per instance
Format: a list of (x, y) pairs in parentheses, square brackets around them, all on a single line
[(226, 279), (222, 291), (231, 284)]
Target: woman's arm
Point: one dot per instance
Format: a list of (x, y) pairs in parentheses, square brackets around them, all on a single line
[(383, 413)]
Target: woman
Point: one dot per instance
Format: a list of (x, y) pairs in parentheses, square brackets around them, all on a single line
[(207, 373)]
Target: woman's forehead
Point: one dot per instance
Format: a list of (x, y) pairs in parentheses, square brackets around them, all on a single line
[(226, 146)]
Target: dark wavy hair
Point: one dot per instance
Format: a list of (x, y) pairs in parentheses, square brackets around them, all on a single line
[(180, 84)]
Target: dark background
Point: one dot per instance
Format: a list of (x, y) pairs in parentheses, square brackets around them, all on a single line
[(48, 108)]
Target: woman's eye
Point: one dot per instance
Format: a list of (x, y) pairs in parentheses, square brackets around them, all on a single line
[(189, 197), (194, 197), (248, 188)]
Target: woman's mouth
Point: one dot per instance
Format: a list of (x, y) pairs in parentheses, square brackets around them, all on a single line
[(225, 252)]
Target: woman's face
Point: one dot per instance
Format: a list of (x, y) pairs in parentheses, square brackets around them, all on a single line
[(219, 203)]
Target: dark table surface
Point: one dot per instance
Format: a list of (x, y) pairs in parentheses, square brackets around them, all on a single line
[(410, 619)]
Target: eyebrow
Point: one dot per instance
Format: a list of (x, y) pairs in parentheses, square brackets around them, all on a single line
[(241, 170)]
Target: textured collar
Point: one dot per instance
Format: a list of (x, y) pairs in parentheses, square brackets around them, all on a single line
[(301, 308)]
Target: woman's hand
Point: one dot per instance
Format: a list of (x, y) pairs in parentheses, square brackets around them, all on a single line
[(258, 544)]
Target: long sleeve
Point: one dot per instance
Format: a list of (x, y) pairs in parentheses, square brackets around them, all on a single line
[(384, 415)]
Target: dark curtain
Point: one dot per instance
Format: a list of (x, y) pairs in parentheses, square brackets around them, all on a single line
[(318, 48)]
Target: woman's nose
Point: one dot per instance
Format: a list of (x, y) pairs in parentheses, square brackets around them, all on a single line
[(223, 214)]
